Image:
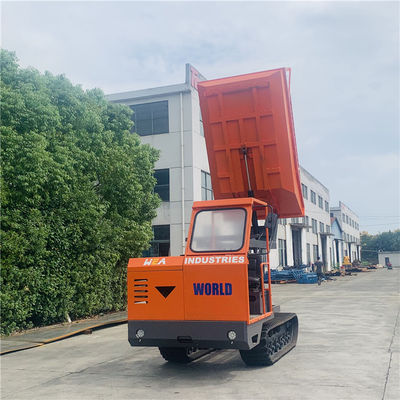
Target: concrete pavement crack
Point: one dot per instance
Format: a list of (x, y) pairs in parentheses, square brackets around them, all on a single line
[(394, 331), (391, 355), (387, 376)]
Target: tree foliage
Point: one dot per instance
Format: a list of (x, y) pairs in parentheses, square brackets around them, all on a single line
[(77, 194), (372, 244)]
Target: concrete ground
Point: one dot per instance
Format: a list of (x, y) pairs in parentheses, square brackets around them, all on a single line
[(40, 336), (348, 348)]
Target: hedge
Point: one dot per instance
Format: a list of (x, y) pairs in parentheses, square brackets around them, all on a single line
[(77, 194)]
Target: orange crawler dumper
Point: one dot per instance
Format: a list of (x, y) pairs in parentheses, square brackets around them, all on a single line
[(214, 297)]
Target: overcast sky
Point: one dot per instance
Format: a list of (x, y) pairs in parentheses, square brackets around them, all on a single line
[(344, 58)]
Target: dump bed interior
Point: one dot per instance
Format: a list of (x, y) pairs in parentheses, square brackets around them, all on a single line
[(248, 118)]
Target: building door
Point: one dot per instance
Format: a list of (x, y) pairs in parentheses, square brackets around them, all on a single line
[(337, 252), (296, 240), (315, 252), (323, 250)]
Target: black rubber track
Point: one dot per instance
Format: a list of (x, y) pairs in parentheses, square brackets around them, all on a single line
[(278, 337)]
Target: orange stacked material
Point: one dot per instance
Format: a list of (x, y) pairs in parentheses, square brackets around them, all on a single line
[(250, 138)]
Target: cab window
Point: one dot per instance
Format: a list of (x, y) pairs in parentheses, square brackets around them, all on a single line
[(219, 230)]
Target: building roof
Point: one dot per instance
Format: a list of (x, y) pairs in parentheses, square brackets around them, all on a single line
[(192, 76), (313, 177), (152, 92), (339, 208), (334, 219)]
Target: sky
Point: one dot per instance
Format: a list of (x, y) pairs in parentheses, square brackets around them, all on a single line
[(344, 58)]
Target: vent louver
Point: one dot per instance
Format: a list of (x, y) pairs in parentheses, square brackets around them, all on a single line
[(140, 291)]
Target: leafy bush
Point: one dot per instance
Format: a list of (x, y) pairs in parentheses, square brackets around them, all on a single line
[(77, 198)]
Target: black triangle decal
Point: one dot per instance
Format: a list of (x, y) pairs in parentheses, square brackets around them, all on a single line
[(165, 290)]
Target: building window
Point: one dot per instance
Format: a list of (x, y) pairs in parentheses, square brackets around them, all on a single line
[(321, 227), (347, 219), (162, 185), (206, 188), (313, 197), (344, 217), (304, 190), (160, 245), (314, 225), (328, 229), (307, 222), (150, 118), (326, 206), (282, 252), (320, 202), (315, 252), (308, 254)]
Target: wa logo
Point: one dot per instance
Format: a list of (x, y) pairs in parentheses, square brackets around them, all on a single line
[(154, 261), (212, 289)]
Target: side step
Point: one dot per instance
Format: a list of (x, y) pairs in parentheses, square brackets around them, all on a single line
[(278, 337)]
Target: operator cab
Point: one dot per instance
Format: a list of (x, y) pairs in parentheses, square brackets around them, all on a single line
[(236, 229)]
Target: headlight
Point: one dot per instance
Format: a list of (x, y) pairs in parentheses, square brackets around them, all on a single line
[(139, 333), (231, 335)]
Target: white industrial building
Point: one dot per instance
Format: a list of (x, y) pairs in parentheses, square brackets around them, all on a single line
[(389, 257), (346, 231), (169, 119), (301, 240)]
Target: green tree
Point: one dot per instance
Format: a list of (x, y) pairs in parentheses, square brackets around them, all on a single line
[(385, 241), (77, 193)]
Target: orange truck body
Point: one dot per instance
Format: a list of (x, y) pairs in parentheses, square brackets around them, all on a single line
[(208, 286), (226, 273), (195, 299)]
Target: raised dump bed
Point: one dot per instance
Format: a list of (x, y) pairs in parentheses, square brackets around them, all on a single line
[(248, 120)]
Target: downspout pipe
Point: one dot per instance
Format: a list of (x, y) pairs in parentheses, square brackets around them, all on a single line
[(182, 174)]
